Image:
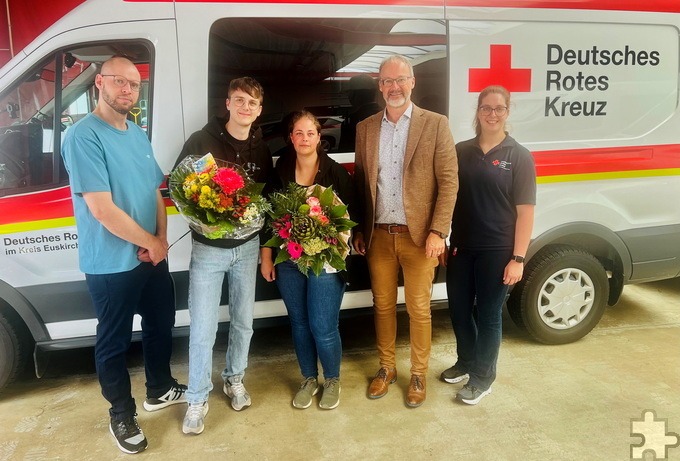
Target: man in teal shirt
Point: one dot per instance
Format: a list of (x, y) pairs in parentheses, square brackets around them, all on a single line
[(122, 223)]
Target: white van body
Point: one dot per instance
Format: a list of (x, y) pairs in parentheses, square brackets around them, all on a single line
[(595, 98)]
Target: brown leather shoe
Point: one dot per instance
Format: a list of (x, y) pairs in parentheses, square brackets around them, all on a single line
[(381, 382), (416, 391)]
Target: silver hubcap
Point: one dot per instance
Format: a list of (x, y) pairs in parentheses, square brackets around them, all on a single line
[(566, 299)]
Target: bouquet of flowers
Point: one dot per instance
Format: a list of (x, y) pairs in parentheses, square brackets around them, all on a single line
[(217, 198), (311, 227)]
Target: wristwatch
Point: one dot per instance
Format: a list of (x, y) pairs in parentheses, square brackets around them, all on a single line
[(441, 235), (517, 258)]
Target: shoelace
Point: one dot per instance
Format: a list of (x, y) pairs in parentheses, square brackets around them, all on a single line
[(238, 388), (311, 382), (331, 383), (382, 374), (129, 425), (417, 383), (195, 411)]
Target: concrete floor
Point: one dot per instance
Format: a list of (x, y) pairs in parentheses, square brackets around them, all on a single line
[(571, 402)]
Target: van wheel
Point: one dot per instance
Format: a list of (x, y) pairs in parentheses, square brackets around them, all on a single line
[(562, 296), (13, 352)]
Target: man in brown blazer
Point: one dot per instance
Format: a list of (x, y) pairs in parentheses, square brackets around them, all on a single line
[(406, 172)]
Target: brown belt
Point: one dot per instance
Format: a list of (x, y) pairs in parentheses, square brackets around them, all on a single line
[(393, 228)]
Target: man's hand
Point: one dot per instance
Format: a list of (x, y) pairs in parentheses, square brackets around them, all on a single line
[(434, 246), (156, 253), (358, 243)]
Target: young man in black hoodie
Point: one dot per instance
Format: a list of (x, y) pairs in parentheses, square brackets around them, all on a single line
[(235, 140)]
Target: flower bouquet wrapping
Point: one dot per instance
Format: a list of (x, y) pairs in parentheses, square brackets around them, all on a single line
[(217, 198), (311, 227)]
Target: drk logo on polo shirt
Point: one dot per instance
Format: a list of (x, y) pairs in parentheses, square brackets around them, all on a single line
[(502, 164)]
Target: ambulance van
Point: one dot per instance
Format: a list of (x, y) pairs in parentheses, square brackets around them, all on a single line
[(595, 99)]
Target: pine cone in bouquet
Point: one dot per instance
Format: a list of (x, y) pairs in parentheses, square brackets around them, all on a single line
[(310, 227), (304, 227)]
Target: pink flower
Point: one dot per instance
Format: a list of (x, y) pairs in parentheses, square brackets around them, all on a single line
[(284, 231), (315, 210), (294, 250), (323, 219), (229, 180), (313, 201)]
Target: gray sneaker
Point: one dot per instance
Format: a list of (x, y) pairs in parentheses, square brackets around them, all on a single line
[(453, 375), (308, 389), (237, 392), (331, 394), (193, 419), (471, 395)]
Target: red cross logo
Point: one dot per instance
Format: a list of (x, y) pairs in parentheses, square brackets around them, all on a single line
[(500, 72)]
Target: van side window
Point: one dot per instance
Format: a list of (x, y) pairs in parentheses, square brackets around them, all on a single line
[(327, 66), (63, 84)]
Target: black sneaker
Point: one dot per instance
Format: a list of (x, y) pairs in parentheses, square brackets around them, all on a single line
[(453, 375), (174, 395), (129, 437), (471, 395)]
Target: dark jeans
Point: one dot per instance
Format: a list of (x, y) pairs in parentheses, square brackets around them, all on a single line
[(313, 305), (477, 275), (146, 290)]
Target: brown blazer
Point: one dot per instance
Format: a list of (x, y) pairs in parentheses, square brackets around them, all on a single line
[(430, 179)]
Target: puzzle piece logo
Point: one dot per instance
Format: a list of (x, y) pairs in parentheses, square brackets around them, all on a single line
[(655, 439)]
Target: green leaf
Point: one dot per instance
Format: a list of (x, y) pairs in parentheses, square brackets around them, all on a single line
[(256, 189), (326, 197), (343, 224), (210, 216), (317, 266), (337, 262), (338, 211), (282, 256), (274, 242)]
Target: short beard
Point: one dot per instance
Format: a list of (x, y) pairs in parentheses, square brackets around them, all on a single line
[(396, 103), (115, 106)]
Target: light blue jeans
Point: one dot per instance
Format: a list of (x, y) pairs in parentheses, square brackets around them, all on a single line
[(206, 275)]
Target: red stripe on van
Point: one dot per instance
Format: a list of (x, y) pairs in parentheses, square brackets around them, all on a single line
[(36, 206), (56, 203), (605, 160), (661, 6)]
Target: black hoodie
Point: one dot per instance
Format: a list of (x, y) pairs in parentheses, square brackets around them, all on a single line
[(252, 153)]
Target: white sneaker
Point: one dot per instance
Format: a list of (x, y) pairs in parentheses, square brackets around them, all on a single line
[(237, 392), (193, 419)]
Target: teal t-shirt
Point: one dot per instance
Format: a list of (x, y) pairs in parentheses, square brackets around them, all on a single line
[(101, 158)]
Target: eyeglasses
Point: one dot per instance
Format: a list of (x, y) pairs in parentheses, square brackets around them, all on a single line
[(121, 81), (486, 110), (253, 104), (401, 81)]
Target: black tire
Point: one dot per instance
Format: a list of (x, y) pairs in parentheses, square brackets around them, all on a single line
[(13, 352), (562, 296)]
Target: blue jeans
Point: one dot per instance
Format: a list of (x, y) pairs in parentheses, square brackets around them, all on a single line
[(145, 290), (313, 305), (206, 274), (477, 275)]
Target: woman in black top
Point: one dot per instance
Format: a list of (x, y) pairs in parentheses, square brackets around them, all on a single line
[(313, 302), (490, 234)]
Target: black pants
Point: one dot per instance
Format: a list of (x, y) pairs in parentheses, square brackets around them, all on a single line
[(146, 290), (477, 275)]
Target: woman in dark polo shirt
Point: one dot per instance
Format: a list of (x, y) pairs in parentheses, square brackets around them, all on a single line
[(491, 230)]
